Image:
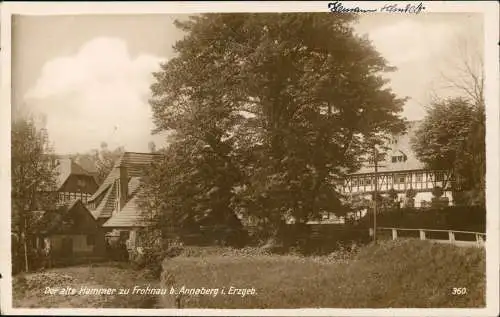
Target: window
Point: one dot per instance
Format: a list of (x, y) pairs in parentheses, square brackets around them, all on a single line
[(399, 179), (355, 181), (439, 177), (90, 239), (399, 158), (419, 177), (363, 181)]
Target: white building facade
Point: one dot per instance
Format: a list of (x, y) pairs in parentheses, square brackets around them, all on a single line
[(400, 171)]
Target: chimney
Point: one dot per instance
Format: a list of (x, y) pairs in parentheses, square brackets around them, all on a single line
[(123, 186)]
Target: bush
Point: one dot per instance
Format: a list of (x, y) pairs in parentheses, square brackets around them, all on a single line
[(200, 252), (465, 218), (150, 259)]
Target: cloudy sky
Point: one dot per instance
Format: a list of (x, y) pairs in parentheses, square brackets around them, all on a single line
[(91, 74)]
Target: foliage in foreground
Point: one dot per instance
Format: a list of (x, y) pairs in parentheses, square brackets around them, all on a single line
[(33, 177), (410, 274)]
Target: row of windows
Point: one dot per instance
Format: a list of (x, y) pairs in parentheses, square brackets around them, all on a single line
[(66, 196), (399, 158), (396, 179)]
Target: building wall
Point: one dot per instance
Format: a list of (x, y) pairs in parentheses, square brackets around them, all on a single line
[(77, 187), (80, 183), (83, 245), (70, 196), (421, 197), (79, 242), (399, 180)]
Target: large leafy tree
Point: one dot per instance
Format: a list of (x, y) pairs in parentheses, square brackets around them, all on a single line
[(453, 133), (33, 178), (276, 106), (452, 137)]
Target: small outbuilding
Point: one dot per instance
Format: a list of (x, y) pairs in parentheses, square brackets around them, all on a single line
[(68, 234)]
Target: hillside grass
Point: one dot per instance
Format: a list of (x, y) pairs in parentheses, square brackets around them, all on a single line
[(396, 274)]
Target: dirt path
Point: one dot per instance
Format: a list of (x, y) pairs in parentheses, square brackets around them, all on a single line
[(72, 287)]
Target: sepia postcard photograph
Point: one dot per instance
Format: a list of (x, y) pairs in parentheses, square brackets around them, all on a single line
[(250, 158)]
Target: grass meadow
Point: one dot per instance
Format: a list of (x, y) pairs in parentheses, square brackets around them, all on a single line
[(396, 274)]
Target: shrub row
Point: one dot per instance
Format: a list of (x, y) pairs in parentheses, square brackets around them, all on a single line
[(465, 218)]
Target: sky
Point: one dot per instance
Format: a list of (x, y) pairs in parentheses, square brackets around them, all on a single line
[(91, 74)]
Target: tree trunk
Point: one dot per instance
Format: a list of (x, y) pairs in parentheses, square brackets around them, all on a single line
[(25, 243)]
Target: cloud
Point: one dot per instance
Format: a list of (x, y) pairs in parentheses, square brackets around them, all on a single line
[(98, 94), (410, 40)]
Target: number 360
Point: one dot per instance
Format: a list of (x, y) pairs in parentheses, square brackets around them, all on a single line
[(459, 291)]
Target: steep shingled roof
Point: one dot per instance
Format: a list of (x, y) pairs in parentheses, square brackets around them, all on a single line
[(136, 164), (401, 147), (107, 205), (129, 216), (67, 167)]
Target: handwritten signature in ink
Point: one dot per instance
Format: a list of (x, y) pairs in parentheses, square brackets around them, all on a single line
[(338, 7)]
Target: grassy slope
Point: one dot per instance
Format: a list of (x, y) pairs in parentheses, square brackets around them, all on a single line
[(28, 290), (391, 274)]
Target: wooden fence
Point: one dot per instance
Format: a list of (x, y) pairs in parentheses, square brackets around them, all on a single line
[(459, 238)]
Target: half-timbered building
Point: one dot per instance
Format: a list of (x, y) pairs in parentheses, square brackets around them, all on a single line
[(73, 181), (400, 170)]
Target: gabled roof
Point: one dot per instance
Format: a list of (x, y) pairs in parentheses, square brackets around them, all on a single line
[(63, 219), (401, 146), (135, 164), (130, 215), (112, 176), (107, 205), (87, 164), (67, 167)]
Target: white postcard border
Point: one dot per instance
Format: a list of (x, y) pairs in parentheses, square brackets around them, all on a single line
[(491, 20)]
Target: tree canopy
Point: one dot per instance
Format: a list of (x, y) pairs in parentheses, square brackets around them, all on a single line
[(33, 176), (452, 136), (269, 112)]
